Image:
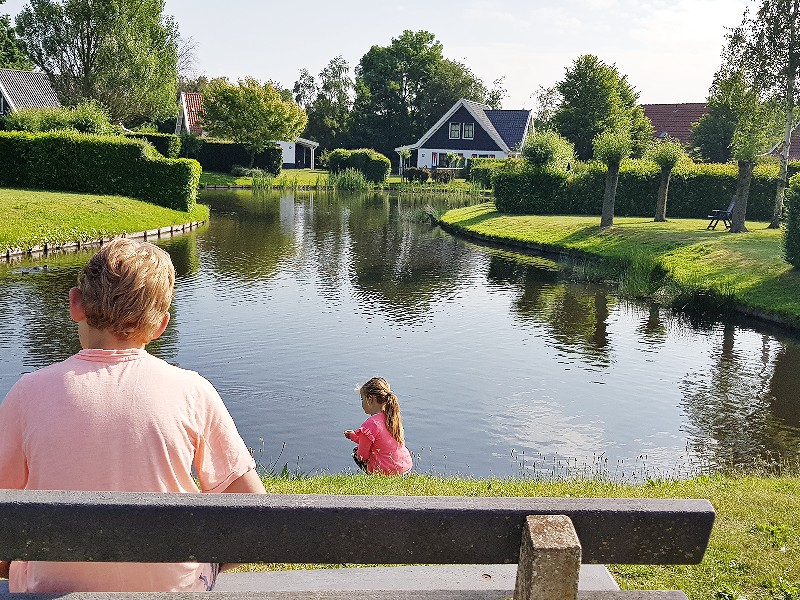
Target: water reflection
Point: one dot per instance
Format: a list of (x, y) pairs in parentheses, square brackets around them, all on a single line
[(286, 301)]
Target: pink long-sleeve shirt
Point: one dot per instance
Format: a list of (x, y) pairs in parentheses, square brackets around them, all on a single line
[(377, 448)]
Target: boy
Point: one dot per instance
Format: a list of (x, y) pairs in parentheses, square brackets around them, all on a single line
[(115, 418)]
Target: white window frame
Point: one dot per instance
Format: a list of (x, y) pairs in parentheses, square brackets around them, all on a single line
[(450, 126), (464, 131)]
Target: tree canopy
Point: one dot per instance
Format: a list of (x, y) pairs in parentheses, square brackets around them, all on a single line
[(12, 52), (122, 53), (592, 98), (251, 113), (328, 103)]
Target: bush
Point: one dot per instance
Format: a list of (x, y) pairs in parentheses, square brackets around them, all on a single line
[(415, 174), (75, 162), (87, 117), (791, 229), (221, 155), (167, 144), (694, 190), (348, 179), (442, 175), (548, 149), (479, 170), (374, 165)]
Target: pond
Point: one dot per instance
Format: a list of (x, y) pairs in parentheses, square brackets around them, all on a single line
[(502, 366)]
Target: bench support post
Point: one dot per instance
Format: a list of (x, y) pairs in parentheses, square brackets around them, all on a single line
[(549, 559)]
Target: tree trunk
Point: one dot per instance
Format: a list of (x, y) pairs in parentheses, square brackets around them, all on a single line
[(742, 194), (663, 190), (777, 214), (252, 159), (607, 216)]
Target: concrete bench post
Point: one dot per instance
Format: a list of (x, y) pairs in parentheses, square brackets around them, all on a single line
[(549, 559)]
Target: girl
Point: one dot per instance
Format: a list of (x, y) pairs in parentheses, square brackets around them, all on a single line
[(381, 445)]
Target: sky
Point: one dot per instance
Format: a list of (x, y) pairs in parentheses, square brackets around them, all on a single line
[(669, 49)]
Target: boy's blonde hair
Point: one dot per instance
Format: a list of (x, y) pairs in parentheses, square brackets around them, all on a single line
[(378, 389), (127, 288)]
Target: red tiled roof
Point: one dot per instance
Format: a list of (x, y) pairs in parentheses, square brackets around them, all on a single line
[(675, 119), (194, 103)]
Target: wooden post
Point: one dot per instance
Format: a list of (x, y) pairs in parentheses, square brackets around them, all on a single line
[(549, 559)]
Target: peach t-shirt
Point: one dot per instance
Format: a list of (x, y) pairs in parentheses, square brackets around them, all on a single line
[(116, 420)]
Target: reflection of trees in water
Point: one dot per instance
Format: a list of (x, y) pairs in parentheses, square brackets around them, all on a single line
[(183, 252), (399, 263), (575, 315), (744, 410), (246, 240)]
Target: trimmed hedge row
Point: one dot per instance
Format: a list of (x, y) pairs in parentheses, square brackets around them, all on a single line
[(791, 230), (221, 155), (374, 165), (167, 144), (74, 162), (480, 170), (694, 189)]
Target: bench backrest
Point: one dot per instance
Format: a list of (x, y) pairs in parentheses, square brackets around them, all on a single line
[(148, 527)]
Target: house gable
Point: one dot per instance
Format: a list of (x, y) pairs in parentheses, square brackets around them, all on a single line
[(481, 139)]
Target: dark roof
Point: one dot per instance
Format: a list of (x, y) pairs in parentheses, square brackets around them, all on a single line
[(675, 119), (27, 89), (510, 124)]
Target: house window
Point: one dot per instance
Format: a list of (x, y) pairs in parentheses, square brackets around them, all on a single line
[(469, 131), (442, 160), (455, 131)]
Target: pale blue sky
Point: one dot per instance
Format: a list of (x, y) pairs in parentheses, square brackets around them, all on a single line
[(668, 48)]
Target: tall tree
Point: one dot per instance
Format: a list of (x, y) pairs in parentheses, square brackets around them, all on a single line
[(122, 53), (253, 114), (328, 102), (592, 98), (712, 134), (767, 47), (402, 89), (12, 52)]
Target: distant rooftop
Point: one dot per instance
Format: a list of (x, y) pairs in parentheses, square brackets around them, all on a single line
[(675, 120), (27, 89)]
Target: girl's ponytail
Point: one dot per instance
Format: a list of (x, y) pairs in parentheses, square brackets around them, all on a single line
[(394, 422)]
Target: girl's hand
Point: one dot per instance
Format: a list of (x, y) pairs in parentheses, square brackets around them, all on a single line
[(348, 434)]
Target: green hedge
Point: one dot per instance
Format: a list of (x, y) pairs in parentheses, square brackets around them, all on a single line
[(374, 165), (167, 144), (791, 231), (694, 190), (75, 162), (221, 155)]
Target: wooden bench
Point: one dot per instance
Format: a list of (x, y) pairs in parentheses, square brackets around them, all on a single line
[(536, 533), (718, 215)]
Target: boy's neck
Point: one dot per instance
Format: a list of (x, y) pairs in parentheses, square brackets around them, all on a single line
[(93, 338)]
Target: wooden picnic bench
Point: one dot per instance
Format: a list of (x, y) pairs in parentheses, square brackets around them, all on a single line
[(718, 215), (549, 538)]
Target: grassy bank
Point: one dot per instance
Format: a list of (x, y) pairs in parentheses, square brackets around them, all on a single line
[(678, 262), (32, 217), (754, 550)]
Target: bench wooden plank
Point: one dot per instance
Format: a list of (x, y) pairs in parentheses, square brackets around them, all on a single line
[(106, 526)]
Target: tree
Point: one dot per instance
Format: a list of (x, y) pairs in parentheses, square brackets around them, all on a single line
[(122, 53), (12, 52), (328, 103), (592, 98), (712, 134), (402, 89), (250, 113), (666, 154), (767, 48), (611, 147)]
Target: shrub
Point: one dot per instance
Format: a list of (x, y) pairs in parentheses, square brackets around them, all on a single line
[(87, 117), (221, 155), (167, 144), (791, 228), (348, 179), (479, 170), (548, 149), (415, 174), (75, 162), (442, 175), (530, 190), (374, 165)]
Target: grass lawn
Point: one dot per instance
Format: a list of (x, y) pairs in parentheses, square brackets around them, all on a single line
[(755, 545), (672, 259), (32, 217)]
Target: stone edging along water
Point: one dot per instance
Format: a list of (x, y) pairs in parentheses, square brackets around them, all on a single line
[(150, 234), (570, 253)]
